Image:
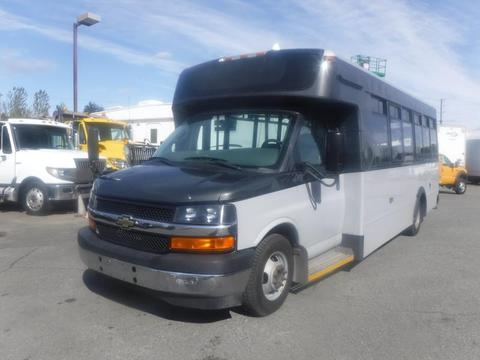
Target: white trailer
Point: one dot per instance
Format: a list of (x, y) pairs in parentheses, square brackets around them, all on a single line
[(452, 141), (473, 159)]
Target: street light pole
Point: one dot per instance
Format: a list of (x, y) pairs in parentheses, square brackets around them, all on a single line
[(75, 95), (87, 19)]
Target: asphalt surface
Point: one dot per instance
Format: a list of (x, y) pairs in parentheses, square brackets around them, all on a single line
[(414, 298)]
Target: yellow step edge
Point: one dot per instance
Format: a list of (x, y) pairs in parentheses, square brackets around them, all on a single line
[(330, 269)]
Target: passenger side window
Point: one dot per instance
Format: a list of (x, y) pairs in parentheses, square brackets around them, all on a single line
[(6, 146), (407, 135), (418, 136), (426, 137), (377, 151), (433, 138), (310, 145), (396, 133)]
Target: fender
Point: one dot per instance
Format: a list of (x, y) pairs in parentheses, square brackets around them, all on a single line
[(300, 257)]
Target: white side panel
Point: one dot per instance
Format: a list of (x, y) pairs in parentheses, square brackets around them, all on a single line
[(319, 229), (452, 143), (354, 200), (389, 200)]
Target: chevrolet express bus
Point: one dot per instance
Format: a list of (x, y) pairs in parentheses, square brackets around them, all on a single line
[(284, 166)]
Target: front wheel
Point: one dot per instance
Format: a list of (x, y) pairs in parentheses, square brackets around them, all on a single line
[(35, 199), (271, 276), (460, 186)]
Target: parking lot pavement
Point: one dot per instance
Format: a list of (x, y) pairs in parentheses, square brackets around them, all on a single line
[(415, 298)]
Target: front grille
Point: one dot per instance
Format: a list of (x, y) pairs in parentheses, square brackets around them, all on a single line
[(137, 240), (140, 153), (84, 172), (162, 214)]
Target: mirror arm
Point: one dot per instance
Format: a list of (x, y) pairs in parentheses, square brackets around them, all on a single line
[(318, 174)]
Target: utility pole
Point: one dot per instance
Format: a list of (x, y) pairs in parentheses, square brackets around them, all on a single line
[(441, 111)]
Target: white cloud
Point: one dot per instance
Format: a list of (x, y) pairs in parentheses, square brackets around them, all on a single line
[(419, 41), (12, 22), (17, 62)]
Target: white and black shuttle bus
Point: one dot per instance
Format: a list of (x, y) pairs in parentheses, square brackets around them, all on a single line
[(283, 167)]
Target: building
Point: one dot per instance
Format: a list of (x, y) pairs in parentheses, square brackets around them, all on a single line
[(150, 121)]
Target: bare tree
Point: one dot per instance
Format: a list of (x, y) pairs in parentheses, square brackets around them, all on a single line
[(41, 105), (92, 107), (17, 103)]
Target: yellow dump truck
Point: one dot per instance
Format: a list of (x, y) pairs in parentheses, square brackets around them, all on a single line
[(113, 141), (452, 175)]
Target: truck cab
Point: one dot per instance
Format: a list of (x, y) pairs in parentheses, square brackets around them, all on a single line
[(452, 175), (113, 141), (38, 165)]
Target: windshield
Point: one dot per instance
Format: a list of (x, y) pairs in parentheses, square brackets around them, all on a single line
[(249, 139), (110, 131), (41, 137)]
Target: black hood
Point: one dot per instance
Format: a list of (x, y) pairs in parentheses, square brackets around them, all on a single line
[(159, 183)]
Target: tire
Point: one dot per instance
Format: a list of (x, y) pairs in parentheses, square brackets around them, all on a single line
[(417, 220), (460, 186), (35, 199), (269, 282)]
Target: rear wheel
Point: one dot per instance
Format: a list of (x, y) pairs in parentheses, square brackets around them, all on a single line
[(460, 186), (35, 199), (417, 220), (271, 276)]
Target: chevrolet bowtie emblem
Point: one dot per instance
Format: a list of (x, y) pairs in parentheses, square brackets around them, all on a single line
[(125, 222)]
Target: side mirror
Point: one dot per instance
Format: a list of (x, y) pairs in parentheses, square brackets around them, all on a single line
[(335, 151)]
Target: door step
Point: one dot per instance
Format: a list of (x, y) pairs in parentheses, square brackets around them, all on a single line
[(327, 263)]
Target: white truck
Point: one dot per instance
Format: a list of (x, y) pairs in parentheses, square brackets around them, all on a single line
[(38, 165), (452, 140)]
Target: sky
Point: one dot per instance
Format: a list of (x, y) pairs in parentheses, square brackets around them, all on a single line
[(139, 48)]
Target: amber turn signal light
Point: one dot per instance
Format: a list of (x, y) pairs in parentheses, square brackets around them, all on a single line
[(203, 244), (92, 224)]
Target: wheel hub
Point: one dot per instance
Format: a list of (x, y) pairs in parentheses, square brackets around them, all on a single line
[(275, 275), (34, 199)]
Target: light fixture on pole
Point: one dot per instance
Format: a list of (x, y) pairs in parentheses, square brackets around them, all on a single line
[(87, 19)]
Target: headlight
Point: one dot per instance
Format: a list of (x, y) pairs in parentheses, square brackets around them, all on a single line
[(206, 215), (92, 201), (118, 163), (64, 174)]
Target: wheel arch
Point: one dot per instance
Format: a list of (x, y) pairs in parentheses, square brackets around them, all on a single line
[(422, 197), (24, 184), (288, 229)]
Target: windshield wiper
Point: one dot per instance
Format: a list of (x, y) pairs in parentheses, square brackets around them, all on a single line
[(216, 161), (162, 159)]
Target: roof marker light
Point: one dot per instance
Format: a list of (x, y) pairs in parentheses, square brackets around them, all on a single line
[(243, 56)]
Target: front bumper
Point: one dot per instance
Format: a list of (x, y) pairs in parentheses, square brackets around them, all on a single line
[(192, 280), (59, 192)]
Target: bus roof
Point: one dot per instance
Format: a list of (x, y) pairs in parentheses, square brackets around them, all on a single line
[(308, 73)]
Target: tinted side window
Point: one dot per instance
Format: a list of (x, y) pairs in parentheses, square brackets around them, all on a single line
[(5, 141), (418, 136), (433, 138), (396, 140), (377, 148), (308, 145), (407, 135), (426, 138)]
